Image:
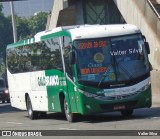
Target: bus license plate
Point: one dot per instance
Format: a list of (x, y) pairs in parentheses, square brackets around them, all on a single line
[(121, 107)]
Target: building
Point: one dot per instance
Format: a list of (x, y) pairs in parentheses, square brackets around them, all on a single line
[(28, 7)]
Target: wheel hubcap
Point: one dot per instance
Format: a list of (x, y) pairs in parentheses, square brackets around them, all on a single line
[(66, 108), (29, 108)]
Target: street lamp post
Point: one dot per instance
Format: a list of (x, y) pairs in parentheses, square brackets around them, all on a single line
[(13, 22)]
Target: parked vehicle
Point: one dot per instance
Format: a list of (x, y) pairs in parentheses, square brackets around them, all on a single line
[(4, 93)]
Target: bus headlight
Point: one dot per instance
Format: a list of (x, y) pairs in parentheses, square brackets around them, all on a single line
[(87, 94), (144, 88)]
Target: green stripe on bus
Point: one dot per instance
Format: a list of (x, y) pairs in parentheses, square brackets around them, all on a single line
[(61, 33)]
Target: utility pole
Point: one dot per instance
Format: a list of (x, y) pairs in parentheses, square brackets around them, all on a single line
[(13, 22)]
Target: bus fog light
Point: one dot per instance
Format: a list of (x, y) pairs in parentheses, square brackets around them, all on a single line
[(88, 106)]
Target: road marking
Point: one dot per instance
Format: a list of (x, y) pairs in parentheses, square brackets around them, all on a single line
[(151, 117), (15, 123), (154, 117), (67, 129)]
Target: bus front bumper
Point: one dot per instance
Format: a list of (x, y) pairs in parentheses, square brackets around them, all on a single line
[(88, 105)]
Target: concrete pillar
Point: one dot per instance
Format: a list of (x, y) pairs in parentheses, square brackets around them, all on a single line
[(57, 7), (139, 13), (158, 1)]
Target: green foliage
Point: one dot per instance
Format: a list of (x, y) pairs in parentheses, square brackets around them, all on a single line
[(23, 31), (37, 23), (3, 69), (27, 28), (5, 33), (6, 37), (1, 7)]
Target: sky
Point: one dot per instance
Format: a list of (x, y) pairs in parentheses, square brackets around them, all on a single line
[(28, 7)]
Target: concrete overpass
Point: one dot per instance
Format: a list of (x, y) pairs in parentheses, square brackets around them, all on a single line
[(143, 13)]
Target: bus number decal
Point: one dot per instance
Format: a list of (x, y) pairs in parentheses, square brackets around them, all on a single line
[(48, 81), (91, 44)]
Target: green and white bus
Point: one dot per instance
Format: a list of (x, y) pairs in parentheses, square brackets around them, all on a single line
[(84, 69)]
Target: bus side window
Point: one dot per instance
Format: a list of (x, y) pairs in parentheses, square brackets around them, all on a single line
[(66, 53), (51, 55)]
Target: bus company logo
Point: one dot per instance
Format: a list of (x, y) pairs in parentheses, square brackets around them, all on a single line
[(48, 81), (119, 97), (98, 57)]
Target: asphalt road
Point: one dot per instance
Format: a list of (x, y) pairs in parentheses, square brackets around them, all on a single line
[(142, 119)]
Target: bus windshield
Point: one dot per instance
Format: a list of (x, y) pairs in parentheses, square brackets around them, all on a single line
[(111, 59)]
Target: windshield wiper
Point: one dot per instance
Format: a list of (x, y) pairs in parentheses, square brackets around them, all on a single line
[(118, 65), (105, 74), (125, 70)]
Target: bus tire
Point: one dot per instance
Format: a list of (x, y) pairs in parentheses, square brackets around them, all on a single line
[(42, 114), (69, 116), (127, 113), (32, 114)]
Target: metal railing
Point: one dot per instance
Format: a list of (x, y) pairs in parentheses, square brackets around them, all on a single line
[(154, 9)]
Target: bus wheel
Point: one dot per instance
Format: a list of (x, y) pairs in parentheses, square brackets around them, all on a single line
[(127, 113), (32, 114), (42, 114), (70, 116)]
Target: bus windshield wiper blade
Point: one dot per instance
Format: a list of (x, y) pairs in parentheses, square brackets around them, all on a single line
[(118, 65), (126, 71), (105, 74)]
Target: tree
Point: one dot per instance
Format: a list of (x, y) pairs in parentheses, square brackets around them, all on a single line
[(28, 27), (6, 37), (37, 23), (1, 7), (23, 31)]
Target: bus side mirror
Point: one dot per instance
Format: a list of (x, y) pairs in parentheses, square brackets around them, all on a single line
[(72, 58), (147, 47)]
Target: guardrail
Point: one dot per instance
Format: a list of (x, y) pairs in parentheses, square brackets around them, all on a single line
[(154, 9)]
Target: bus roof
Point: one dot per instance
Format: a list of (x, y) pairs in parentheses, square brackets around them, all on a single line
[(82, 32), (97, 31), (92, 31)]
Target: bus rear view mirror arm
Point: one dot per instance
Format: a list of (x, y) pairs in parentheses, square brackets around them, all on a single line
[(147, 47), (72, 57)]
